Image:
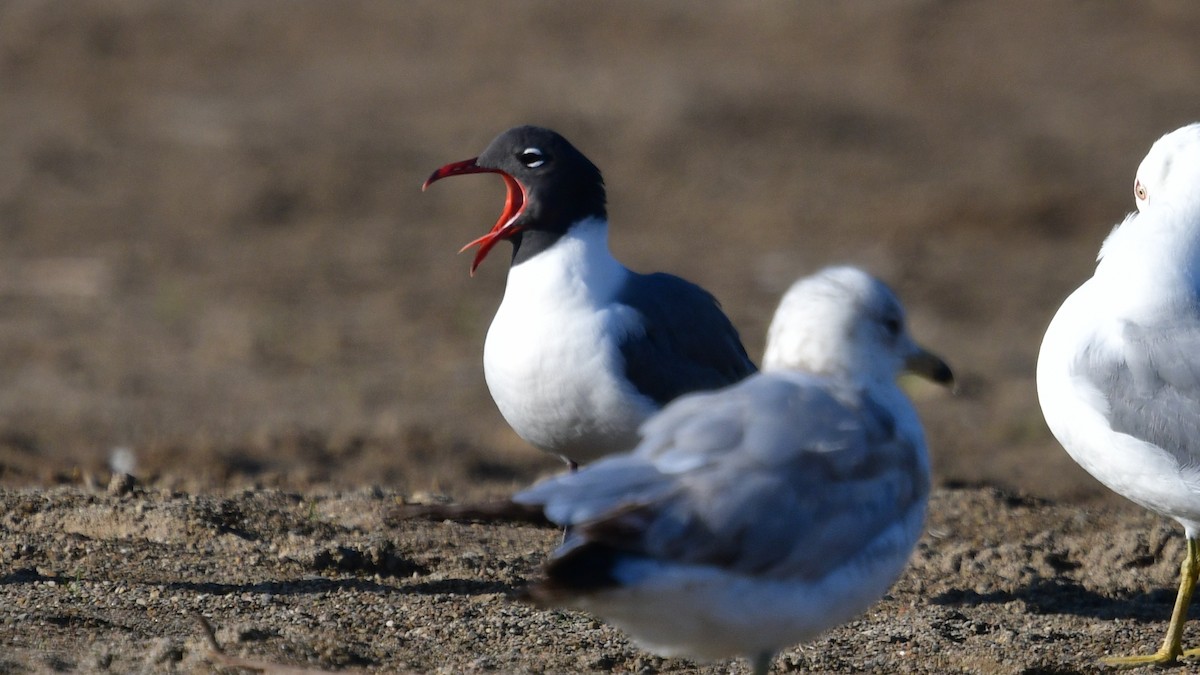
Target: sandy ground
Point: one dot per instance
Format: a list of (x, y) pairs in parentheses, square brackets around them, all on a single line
[(218, 273), (98, 580)]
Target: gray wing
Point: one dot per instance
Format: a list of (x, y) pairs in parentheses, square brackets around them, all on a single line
[(688, 344), (1152, 385), (604, 486), (767, 477)]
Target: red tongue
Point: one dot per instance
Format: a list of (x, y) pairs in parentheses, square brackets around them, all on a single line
[(504, 228)]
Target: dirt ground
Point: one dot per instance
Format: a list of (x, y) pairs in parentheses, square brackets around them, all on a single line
[(219, 274), (101, 581)]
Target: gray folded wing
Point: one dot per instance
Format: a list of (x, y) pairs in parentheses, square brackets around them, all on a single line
[(686, 343), (773, 477), (1151, 382)]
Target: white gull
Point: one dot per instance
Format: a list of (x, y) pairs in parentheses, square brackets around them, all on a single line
[(1119, 371), (757, 516)]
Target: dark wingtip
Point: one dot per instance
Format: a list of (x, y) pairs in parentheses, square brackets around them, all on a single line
[(582, 569), (578, 575)]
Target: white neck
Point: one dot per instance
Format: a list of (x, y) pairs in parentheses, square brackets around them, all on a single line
[(1152, 255), (579, 265)]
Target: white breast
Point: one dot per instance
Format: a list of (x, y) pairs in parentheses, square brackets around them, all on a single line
[(551, 359), (1076, 413)]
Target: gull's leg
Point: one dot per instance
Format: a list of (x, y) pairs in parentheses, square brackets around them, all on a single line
[(761, 663), (1172, 647), (1194, 554)]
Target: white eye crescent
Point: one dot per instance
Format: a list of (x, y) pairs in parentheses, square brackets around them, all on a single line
[(531, 157)]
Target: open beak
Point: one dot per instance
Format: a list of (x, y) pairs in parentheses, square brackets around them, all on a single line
[(514, 203), (930, 366)]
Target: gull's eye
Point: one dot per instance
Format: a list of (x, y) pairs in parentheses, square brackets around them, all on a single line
[(1139, 191), (893, 326), (531, 157)]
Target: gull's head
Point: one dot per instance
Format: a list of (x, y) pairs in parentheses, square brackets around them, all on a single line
[(1171, 170), (550, 185), (844, 322)]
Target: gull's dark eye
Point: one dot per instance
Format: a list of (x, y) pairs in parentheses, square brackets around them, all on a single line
[(893, 325), (531, 157)]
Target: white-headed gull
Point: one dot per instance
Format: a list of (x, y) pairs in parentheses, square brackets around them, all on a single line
[(759, 515), (1119, 371)]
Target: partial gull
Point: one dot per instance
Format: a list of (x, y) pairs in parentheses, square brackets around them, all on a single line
[(757, 516), (1119, 371)]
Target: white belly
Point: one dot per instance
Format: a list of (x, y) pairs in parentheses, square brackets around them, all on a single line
[(551, 358), (1075, 412), (553, 380)]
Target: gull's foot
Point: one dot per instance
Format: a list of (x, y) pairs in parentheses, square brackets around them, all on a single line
[(1161, 657)]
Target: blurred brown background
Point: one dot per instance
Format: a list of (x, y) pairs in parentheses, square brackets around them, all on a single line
[(216, 253)]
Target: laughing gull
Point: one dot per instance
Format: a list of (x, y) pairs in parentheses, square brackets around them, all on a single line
[(757, 516), (582, 350), (1119, 371)]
